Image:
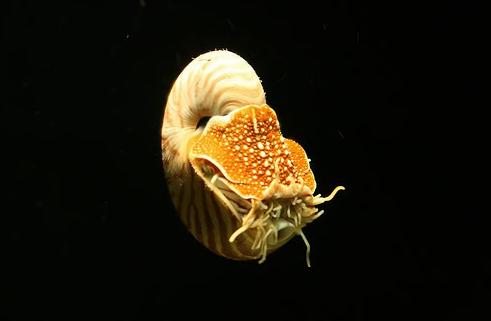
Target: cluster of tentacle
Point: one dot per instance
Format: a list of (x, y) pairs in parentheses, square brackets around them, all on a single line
[(280, 216)]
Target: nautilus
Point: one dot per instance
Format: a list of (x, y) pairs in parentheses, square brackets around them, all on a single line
[(241, 188)]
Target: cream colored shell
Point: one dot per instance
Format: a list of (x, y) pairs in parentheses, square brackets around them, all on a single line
[(223, 86)]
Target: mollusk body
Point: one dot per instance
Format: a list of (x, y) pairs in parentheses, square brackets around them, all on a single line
[(239, 186)]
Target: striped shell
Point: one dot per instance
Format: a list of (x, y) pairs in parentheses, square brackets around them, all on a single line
[(239, 186)]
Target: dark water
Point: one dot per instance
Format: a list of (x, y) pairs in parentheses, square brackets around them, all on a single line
[(385, 98)]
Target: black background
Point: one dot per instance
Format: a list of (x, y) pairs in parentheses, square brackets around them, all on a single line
[(385, 98)]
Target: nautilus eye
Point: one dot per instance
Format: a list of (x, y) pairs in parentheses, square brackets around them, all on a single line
[(240, 187)]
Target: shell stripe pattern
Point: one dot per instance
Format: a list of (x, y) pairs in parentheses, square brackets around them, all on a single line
[(218, 93)]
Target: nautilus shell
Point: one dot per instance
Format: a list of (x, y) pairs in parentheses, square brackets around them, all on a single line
[(239, 186)]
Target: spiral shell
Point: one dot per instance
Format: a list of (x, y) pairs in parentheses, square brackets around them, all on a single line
[(239, 186)]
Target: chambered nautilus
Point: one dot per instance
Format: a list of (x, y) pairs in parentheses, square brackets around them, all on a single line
[(239, 186)]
